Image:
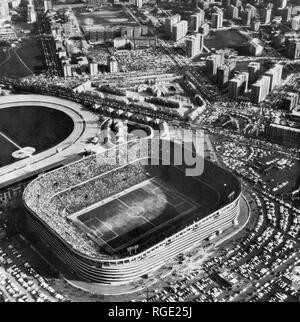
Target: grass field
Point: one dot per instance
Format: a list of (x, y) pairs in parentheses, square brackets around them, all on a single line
[(33, 126), (11, 66), (23, 61), (225, 39), (106, 16), (6, 149), (31, 54), (134, 214)]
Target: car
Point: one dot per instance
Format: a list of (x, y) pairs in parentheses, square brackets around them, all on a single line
[(95, 140)]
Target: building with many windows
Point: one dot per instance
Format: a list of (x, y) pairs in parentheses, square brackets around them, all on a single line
[(286, 13), (280, 3), (194, 45), (237, 85), (282, 133), (170, 22), (223, 75), (179, 30), (265, 15), (275, 75), (4, 12), (233, 12), (295, 24), (112, 64), (293, 48), (204, 29), (197, 20), (31, 14), (48, 5), (255, 24), (212, 63), (254, 47), (67, 70), (253, 69), (260, 89), (93, 68), (291, 101), (14, 3), (139, 3), (217, 18), (246, 17)]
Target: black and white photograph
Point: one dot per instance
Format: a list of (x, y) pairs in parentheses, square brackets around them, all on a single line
[(149, 154)]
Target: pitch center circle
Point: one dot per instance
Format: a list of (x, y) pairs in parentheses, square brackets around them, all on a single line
[(135, 212)]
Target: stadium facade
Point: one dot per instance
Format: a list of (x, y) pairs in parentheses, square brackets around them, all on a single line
[(48, 220)]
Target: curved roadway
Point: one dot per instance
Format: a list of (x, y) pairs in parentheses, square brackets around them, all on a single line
[(86, 125)]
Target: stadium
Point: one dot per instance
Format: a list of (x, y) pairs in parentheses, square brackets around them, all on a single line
[(118, 215)]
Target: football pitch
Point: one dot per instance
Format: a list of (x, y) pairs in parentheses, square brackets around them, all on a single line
[(134, 214), (106, 16)]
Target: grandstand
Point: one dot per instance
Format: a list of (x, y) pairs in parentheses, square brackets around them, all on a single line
[(111, 216)]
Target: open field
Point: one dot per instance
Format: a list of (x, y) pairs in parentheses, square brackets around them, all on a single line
[(225, 39), (31, 54), (23, 61), (11, 66), (106, 16)]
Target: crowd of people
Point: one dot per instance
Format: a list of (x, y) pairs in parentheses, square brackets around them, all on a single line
[(57, 194), (102, 187), (143, 60)]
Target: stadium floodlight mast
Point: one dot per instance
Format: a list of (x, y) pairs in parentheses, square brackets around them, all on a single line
[(132, 248)]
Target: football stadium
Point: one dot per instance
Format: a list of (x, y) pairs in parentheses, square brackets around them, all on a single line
[(120, 214)]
